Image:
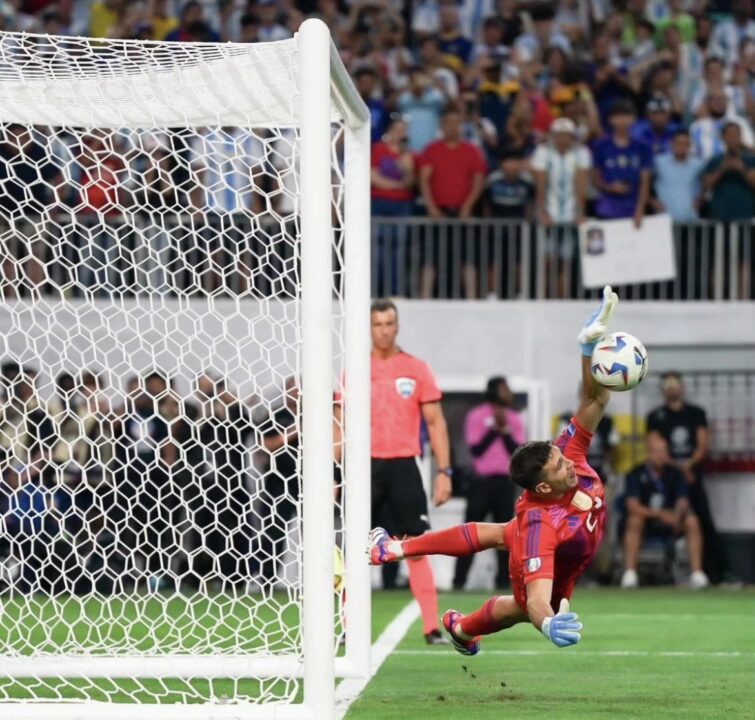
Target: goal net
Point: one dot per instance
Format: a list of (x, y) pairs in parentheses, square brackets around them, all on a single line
[(180, 299)]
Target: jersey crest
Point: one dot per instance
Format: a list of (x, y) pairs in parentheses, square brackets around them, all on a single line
[(582, 501), (405, 387)]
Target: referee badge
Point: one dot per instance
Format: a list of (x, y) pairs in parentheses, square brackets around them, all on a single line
[(405, 387)]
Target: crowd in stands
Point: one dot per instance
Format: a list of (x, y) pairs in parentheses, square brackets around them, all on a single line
[(538, 111), (105, 487)]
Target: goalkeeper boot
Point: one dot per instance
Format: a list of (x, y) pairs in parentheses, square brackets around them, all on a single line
[(383, 548), (451, 619)]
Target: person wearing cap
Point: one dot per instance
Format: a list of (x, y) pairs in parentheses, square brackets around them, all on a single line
[(493, 430), (685, 428), (561, 168), (677, 179), (622, 168), (657, 129)]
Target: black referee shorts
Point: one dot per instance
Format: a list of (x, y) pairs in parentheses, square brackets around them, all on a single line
[(397, 486)]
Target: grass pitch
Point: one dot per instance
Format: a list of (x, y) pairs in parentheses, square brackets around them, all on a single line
[(647, 654)]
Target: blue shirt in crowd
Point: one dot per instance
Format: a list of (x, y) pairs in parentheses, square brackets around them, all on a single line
[(643, 131), (620, 163), (677, 184), (422, 115)]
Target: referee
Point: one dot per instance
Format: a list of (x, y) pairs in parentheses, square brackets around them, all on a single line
[(404, 392)]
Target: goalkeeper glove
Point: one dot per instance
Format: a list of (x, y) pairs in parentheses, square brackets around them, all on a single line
[(597, 324), (563, 628)]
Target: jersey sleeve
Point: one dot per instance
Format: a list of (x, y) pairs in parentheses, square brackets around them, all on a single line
[(574, 442), (537, 550), (428, 386)]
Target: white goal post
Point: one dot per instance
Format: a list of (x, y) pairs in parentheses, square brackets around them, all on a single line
[(91, 280)]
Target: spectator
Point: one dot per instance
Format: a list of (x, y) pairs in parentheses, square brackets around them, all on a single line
[(606, 77), (228, 168), (685, 428), (436, 65), (103, 16), (622, 169), (657, 504), (25, 500), (730, 178), (161, 19), (451, 178), (219, 464), (728, 35), (508, 191), (706, 132), (421, 106), (530, 46), (393, 178), (491, 44), (676, 18), (476, 128), (492, 432), (191, 21), (507, 11), (714, 81), (678, 180), (270, 29), (658, 129), (456, 49), (495, 97), (368, 86), (280, 436), (28, 180), (508, 195), (249, 28), (561, 168), (687, 61)]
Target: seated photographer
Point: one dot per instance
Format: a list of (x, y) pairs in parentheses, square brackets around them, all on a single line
[(657, 505)]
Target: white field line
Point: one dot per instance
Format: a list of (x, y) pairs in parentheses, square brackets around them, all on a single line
[(349, 690), (598, 653)]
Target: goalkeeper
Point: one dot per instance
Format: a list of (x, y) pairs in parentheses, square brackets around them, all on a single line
[(557, 530)]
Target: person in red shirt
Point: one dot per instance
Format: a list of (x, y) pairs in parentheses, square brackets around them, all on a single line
[(392, 179), (403, 393), (451, 179), (554, 535)]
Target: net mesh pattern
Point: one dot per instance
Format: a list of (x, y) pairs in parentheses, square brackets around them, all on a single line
[(150, 453)]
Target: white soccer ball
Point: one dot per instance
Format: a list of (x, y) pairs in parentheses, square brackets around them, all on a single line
[(619, 361)]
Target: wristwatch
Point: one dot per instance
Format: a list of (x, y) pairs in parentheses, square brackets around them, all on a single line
[(446, 471)]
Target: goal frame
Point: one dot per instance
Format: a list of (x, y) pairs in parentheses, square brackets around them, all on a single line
[(324, 84)]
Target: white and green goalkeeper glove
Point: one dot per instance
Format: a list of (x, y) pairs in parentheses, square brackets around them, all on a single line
[(597, 324), (563, 628)]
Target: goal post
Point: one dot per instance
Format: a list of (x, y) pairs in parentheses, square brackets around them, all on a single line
[(195, 224)]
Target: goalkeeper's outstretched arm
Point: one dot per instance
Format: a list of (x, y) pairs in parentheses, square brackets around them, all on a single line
[(594, 397)]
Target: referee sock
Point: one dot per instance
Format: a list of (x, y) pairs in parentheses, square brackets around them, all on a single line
[(422, 584), (456, 541), (480, 622)]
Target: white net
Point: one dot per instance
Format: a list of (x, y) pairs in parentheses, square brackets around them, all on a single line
[(150, 539)]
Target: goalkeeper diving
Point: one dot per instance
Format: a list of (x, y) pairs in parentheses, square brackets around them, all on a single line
[(555, 534)]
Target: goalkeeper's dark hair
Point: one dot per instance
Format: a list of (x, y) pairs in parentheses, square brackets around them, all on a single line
[(527, 463)]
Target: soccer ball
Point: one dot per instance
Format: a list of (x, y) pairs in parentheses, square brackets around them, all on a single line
[(619, 361)]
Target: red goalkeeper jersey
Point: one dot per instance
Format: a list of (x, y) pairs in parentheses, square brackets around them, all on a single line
[(557, 539)]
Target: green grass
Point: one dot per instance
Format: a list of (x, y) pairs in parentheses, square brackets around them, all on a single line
[(593, 680)]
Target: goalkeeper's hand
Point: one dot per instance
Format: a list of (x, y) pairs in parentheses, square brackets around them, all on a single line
[(597, 324), (563, 628)]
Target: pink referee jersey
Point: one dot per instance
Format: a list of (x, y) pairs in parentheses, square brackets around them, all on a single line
[(400, 385)]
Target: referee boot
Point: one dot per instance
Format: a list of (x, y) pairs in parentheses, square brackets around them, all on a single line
[(434, 637)]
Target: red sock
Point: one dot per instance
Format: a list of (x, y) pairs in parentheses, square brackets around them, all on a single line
[(422, 584), (456, 541), (481, 621)]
